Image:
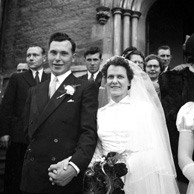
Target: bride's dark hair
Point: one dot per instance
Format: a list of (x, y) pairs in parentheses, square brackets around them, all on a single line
[(118, 61)]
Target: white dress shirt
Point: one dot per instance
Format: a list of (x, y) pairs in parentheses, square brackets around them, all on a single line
[(94, 75), (40, 72), (60, 78)]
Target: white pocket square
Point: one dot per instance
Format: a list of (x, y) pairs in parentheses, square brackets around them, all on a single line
[(70, 100)]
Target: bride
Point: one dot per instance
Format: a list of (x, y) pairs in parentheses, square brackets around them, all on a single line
[(133, 121)]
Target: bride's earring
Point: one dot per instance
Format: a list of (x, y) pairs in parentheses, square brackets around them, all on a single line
[(129, 86)]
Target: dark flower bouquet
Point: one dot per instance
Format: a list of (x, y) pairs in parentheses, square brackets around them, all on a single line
[(104, 177)]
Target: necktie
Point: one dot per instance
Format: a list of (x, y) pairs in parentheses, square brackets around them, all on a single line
[(52, 87), (37, 78), (91, 78)]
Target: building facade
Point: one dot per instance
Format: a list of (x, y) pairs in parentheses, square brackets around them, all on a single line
[(113, 25)]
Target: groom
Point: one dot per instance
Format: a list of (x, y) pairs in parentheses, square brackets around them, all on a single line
[(61, 125)]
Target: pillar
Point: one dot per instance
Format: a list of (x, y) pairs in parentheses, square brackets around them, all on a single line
[(135, 18), (117, 30), (126, 28)]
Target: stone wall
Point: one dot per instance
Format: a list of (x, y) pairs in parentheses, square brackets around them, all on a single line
[(31, 22)]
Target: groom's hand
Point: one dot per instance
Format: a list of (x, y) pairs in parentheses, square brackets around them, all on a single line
[(61, 173)]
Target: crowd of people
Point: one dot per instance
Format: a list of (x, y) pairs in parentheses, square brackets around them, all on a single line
[(54, 126)]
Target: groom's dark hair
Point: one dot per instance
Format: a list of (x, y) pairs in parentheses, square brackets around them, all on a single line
[(59, 37)]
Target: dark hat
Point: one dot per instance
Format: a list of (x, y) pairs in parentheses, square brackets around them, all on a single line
[(128, 51), (189, 45)]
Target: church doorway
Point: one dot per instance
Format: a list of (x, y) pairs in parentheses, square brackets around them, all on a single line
[(168, 22)]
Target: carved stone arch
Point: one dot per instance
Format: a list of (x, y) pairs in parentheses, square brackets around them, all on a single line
[(118, 3), (128, 4), (129, 23), (137, 5)]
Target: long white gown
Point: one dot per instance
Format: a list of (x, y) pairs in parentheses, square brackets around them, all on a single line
[(128, 126), (185, 124)]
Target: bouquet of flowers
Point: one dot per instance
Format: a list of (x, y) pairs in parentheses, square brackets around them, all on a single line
[(104, 177)]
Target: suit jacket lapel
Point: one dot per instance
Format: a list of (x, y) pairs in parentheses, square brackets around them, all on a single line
[(42, 97), (85, 77), (98, 78), (39, 99), (54, 102), (29, 78), (44, 77)]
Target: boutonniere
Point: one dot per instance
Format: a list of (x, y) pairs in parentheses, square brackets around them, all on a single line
[(68, 90)]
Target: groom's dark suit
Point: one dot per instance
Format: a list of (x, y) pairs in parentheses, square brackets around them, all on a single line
[(59, 128)]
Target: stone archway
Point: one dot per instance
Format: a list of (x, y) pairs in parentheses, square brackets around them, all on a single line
[(129, 24)]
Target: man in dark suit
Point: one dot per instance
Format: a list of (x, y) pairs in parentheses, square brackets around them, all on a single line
[(93, 59), (164, 52), (62, 124), (12, 130)]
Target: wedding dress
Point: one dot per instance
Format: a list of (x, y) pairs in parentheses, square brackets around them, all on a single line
[(136, 125), (185, 124)]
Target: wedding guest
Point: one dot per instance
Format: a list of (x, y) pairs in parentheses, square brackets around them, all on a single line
[(61, 123), (128, 50), (22, 67), (123, 127), (135, 56), (153, 67), (177, 88), (185, 126), (93, 60), (164, 52), (12, 130)]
